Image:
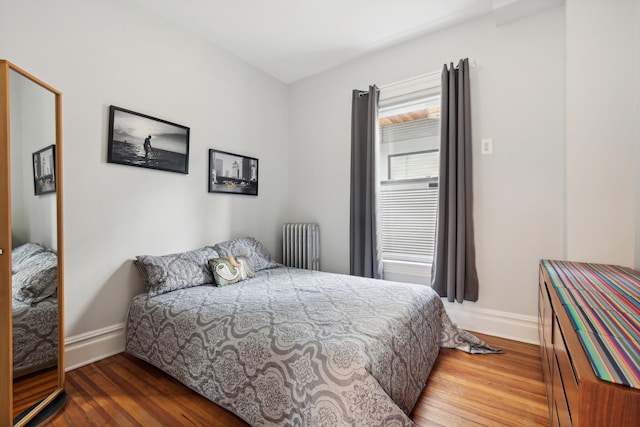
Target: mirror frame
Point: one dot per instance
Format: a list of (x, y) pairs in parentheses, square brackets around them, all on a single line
[(6, 351)]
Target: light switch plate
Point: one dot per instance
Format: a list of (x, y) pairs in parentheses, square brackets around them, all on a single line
[(486, 146)]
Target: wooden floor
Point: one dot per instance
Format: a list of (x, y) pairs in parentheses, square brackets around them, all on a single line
[(487, 390), (463, 390), (33, 388)]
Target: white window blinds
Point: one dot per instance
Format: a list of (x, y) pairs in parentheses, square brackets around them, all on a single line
[(425, 164), (408, 220)]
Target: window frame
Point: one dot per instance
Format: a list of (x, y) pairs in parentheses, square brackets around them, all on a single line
[(407, 267), (390, 156)]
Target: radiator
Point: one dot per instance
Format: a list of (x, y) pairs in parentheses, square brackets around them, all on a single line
[(301, 246)]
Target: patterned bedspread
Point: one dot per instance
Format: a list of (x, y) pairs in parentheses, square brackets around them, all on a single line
[(299, 347), (35, 334)]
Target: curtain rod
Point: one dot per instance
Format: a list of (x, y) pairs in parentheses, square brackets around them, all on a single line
[(472, 64), (433, 74), (412, 79)]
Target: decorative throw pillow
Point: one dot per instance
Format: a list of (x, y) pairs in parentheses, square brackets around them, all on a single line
[(227, 271), (258, 255), (176, 271), (37, 278), (21, 254)]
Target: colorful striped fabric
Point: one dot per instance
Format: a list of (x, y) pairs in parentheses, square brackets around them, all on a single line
[(603, 303)]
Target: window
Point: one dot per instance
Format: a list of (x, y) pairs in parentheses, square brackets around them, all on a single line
[(408, 168), (414, 165)]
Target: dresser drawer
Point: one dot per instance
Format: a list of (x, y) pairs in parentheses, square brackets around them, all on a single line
[(566, 370), (547, 325), (541, 315), (561, 407)]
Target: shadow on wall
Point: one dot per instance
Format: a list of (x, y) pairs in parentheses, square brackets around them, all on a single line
[(116, 291)]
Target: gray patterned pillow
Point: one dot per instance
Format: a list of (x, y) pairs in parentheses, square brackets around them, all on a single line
[(37, 278), (176, 271), (21, 254), (258, 255)]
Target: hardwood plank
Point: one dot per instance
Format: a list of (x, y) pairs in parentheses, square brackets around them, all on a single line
[(505, 389), (134, 377), (33, 388), (462, 390), (105, 401)]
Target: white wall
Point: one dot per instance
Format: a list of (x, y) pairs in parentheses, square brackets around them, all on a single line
[(33, 127), (517, 99), (103, 53), (19, 220), (601, 125)]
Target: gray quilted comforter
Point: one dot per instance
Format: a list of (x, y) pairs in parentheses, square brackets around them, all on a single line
[(299, 347), (35, 335)]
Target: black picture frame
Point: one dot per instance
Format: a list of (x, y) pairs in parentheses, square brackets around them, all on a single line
[(44, 170), (140, 140), (232, 173)]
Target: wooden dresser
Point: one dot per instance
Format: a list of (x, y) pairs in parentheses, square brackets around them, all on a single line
[(576, 396)]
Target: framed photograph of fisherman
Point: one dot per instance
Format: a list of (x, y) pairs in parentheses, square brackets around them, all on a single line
[(44, 170), (232, 173), (136, 139)]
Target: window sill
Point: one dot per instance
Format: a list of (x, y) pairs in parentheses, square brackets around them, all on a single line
[(407, 271)]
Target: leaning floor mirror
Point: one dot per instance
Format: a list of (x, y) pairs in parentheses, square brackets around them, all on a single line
[(31, 249)]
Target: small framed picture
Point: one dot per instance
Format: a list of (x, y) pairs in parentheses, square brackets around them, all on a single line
[(44, 170), (232, 173), (139, 140)]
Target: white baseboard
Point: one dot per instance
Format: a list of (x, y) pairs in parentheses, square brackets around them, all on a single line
[(503, 324), (92, 346)]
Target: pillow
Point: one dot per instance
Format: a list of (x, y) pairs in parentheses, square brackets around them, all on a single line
[(37, 278), (258, 255), (21, 254), (227, 271), (176, 271)]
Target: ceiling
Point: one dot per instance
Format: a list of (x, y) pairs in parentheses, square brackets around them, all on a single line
[(294, 39)]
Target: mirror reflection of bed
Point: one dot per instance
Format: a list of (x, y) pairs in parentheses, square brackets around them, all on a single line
[(34, 324)]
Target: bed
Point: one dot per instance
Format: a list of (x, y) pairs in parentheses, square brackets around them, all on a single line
[(298, 347), (34, 308)]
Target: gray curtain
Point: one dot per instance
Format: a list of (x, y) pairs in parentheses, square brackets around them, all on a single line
[(454, 266), (365, 254)]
